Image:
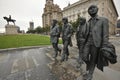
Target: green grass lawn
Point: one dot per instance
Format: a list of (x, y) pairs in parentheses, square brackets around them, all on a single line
[(14, 41)]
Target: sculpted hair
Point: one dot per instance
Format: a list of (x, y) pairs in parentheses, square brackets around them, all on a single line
[(92, 7), (55, 21), (65, 18)]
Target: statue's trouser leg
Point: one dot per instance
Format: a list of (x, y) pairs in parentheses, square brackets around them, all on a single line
[(65, 50), (71, 42), (85, 55), (80, 61), (93, 59), (58, 47), (55, 49)]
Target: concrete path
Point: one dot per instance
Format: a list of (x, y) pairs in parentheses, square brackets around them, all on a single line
[(30, 64)]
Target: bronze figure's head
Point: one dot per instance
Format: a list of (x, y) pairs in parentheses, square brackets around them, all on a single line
[(92, 10), (82, 20), (65, 20), (54, 22)]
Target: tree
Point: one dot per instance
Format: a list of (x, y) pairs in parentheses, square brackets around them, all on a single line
[(38, 29), (31, 31), (46, 29), (76, 23)]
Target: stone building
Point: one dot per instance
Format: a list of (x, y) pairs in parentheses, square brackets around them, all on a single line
[(51, 11), (106, 9), (31, 24), (118, 27)]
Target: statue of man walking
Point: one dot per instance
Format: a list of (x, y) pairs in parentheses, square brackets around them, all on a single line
[(67, 31), (97, 33), (80, 38), (54, 37)]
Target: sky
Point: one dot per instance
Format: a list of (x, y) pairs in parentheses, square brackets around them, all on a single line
[(24, 11)]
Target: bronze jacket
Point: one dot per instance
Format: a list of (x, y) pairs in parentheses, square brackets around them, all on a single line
[(100, 31), (67, 32), (54, 34)]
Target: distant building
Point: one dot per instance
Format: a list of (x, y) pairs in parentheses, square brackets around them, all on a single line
[(31, 24), (51, 11), (118, 27), (106, 9), (118, 23)]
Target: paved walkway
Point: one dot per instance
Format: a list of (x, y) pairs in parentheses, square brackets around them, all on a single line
[(30, 64)]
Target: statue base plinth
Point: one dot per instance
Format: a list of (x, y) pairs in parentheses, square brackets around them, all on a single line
[(11, 29)]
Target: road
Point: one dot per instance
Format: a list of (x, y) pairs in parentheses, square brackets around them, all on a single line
[(30, 64)]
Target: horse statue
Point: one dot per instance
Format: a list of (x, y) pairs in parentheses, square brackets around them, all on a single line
[(9, 19)]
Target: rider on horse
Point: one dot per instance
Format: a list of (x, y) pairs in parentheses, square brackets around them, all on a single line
[(9, 19)]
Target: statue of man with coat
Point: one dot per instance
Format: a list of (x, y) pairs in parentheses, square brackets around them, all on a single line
[(80, 38), (67, 32), (96, 35), (54, 37)]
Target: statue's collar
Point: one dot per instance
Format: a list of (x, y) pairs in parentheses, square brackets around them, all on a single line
[(96, 17)]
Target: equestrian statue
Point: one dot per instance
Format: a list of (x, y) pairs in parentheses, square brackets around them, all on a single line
[(9, 19)]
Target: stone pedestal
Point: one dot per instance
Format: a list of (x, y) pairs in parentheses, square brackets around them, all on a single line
[(11, 29)]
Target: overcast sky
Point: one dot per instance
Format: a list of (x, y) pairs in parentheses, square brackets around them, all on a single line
[(29, 10)]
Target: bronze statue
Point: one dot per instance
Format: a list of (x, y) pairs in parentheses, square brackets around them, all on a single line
[(67, 31), (80, 38), (9, 19), (96, 34), (54, 37)]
